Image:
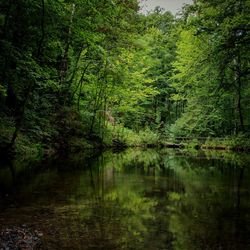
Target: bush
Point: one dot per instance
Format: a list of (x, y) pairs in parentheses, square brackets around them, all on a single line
[(148, 137), (27, 149), (120, 136), (232, 142)]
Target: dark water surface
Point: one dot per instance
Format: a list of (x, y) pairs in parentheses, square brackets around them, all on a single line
[(137, 199)]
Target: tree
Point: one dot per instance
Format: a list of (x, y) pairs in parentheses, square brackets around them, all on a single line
[(210, 67)]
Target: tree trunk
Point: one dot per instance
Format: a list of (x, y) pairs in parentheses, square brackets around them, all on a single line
[(64, 61), (40, 43), (239, 106)]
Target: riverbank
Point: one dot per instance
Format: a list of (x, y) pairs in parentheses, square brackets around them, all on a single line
[(118, 138), (234, 143)]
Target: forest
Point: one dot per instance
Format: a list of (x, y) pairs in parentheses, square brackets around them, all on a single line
[(121, 129), (80, 74)]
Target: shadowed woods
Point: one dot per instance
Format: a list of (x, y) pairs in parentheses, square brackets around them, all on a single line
[(86, 74)]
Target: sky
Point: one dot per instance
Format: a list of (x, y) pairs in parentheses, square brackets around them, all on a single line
[(169, 5)]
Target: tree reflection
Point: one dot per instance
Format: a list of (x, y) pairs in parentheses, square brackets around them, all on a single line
[(210, 214), (140, 199)]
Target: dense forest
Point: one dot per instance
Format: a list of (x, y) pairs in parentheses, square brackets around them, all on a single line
[(77, 74)]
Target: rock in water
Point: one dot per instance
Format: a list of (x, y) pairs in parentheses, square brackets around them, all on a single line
[(16, 238)]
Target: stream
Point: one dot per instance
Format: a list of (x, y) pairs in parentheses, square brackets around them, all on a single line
[(135, 199)]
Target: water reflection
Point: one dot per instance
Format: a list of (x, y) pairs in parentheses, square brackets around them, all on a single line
[(138, 199)]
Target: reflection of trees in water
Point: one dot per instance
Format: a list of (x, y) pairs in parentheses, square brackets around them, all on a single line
[(7, 171), (214, 211), (134, 207), (143, 199), (117, 210), (7, 178), (203, 196)]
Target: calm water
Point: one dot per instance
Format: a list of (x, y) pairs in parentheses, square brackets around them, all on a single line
[(138, 199)]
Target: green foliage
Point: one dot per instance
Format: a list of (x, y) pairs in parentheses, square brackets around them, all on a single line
[(6, 130), (28, 149), (148, 137), (211, 75), (237, 143), (101, 72), (121, 136)]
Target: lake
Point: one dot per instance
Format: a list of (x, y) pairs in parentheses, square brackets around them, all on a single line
[(135, 199)]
